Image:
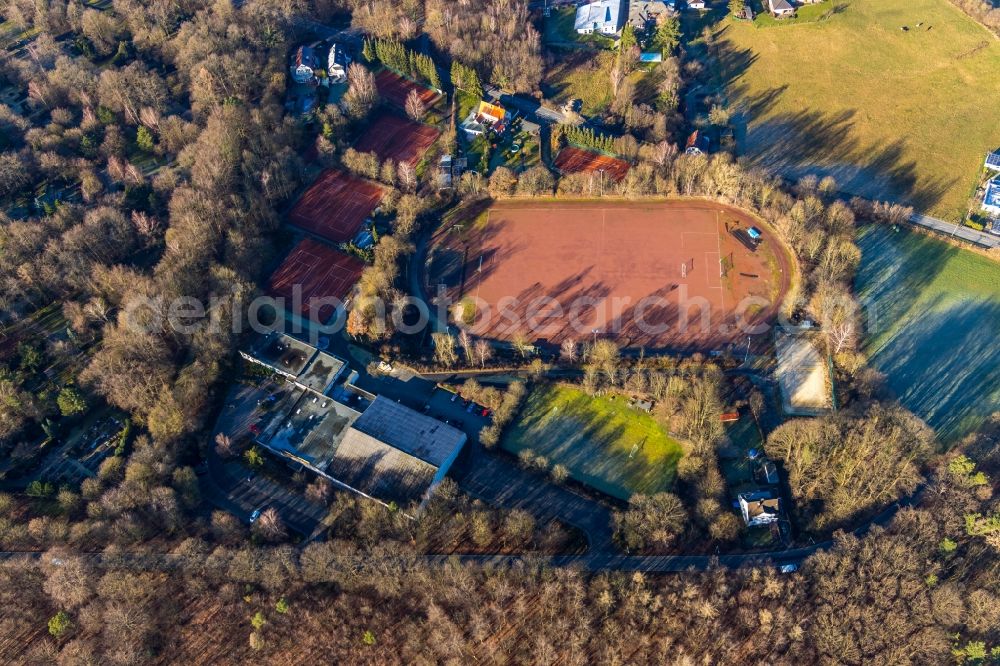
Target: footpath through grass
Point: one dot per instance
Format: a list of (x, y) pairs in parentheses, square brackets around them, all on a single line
[(933, 313), (602, 441), (897, 99)]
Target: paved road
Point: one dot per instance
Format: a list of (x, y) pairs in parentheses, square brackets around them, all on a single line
[(598, 559), (951, 229)]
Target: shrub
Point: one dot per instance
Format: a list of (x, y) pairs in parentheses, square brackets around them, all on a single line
[(70, 401), (60, 624)]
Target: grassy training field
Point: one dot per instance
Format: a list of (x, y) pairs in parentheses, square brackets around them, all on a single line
[(594, 437), (933, 318), (892, 114)]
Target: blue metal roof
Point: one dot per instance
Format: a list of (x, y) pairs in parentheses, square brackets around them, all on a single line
[(992, 197), (993, 160)]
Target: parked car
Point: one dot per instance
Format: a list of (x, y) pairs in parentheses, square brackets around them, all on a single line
[(255, 515), (486, 412)]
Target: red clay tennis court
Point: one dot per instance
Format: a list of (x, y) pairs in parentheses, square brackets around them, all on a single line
[(656, 275), (577, 160), (396, 138), (395, 89), (335, 206), (315, 271)]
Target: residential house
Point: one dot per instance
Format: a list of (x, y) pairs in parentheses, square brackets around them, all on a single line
[(646, 14), (697, 144), (483, 117), (991, 199), (780, 7), (993, 160), (336, 64), (304, 62), (606, 17), (760, 507)]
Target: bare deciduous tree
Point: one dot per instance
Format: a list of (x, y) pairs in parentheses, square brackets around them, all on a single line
[(484, 352), (415, 108), (224, 445), (270, 526), (444, 349)]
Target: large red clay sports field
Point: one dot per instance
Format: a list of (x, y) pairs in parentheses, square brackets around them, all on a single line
[(577, 160), (335, 206), (314, 271), (396, 89), (625, 270), (396, 138)]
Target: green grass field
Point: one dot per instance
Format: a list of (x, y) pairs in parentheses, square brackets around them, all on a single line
[(933, 314), (594, 439), (892, 114), (586, 76)]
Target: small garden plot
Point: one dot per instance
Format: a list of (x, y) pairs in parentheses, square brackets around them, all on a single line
[(602, 442)]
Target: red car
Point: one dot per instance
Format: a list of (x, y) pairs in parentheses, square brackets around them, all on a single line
[(486, 412)]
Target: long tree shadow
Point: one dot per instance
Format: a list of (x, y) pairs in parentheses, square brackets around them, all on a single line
[(816, 141), (934, 351), (598, 452), (941, 367)]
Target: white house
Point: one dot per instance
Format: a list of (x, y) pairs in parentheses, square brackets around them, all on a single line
[(991, 200), (780, 7), (606, 17), (337, 61), (696, 4), (760, 507)]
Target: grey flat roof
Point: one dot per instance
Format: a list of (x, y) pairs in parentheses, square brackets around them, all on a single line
[(388, 452), (311, 429), (283, 353), (379, 470), (321, 372), (420, 436), (307, 365)]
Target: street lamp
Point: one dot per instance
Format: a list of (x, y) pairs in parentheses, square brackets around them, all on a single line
[(595, 332)]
